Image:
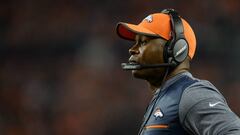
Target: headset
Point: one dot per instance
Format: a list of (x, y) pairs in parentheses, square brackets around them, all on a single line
[(175, 50)]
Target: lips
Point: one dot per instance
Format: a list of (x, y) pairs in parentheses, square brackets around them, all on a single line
[(133, 61)]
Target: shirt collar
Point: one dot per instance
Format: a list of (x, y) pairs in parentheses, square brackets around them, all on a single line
[(173, 80)]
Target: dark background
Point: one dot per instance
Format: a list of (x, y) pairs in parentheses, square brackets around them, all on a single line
[(60, 61)]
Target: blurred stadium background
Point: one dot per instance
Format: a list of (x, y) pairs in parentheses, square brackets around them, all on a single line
[(60, 63)]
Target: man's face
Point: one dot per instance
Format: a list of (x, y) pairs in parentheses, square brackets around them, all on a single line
[(147, 50)]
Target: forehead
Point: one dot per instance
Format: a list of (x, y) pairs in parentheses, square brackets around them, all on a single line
[(141, 37)]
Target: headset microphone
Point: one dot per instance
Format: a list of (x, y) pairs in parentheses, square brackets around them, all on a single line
[(130, 66)]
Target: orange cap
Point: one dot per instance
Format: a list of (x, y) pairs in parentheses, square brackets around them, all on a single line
[(156, 25)]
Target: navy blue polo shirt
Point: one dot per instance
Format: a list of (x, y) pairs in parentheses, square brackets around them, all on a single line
[(185, 105)]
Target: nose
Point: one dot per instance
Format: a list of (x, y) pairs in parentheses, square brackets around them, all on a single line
[(134, 50)]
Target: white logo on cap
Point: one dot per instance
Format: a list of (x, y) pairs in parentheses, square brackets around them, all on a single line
[(149, 18)]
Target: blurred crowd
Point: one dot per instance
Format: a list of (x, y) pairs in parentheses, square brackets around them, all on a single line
[(60, 61)]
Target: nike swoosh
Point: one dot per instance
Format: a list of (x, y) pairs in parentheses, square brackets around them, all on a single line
[(214, 104)]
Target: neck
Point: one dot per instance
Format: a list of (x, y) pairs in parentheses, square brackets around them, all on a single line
[(156, 83)]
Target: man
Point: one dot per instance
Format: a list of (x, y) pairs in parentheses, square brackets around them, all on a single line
[(164, 46)]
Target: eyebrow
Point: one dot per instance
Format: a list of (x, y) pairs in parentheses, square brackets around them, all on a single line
[(143, 37)]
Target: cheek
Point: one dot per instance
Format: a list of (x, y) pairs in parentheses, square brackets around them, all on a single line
[(152, 54)]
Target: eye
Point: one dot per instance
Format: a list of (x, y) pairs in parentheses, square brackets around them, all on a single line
[(143, 43)]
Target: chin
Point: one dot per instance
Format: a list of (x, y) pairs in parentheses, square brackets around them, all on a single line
[(135, 73), (148, 73), (139, 74)]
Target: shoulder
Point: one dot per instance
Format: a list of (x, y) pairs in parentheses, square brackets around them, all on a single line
[(196, 93), (203, 109), (200, 90)]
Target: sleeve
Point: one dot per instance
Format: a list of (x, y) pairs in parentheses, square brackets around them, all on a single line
[(204, 111)]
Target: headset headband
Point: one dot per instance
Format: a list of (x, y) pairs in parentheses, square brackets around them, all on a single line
[(176, 49)]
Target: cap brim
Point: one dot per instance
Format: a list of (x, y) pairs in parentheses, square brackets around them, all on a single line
[(129, 31)]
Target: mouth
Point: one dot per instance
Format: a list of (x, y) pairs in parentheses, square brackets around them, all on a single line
[(133, 62)]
